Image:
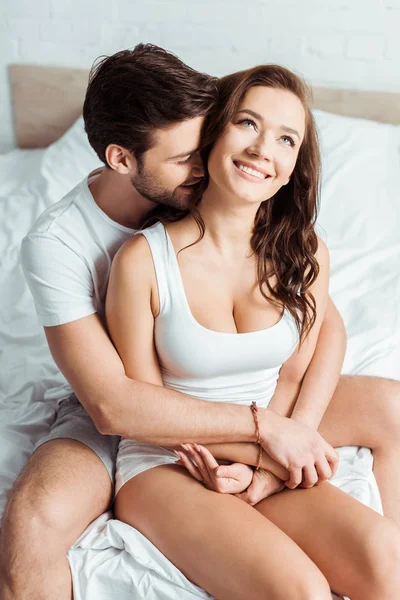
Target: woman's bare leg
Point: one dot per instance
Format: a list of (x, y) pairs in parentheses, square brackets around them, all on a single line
[(356, 549), (219, 542), (365, 411)]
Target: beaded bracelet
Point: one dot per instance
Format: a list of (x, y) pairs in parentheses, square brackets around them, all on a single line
[(254, 410)]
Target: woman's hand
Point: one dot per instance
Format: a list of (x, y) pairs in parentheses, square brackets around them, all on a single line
[(264, 484), (225, 479)]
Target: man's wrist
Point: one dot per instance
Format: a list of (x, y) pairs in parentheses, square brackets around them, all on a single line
[(267, 421)]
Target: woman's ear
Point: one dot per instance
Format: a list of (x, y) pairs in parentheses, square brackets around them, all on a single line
[(120, 159)]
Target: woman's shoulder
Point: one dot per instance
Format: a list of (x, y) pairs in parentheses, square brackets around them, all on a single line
[(322, 252), (183, 232), (136, 246), (134, 257)]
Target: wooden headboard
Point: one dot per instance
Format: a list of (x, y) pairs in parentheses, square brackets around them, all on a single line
[(47, 100)]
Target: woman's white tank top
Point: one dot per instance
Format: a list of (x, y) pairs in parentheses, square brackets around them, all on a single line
[(227, 367), (206, 364)]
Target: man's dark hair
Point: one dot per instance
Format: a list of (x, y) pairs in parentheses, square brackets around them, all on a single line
[(134, 92)]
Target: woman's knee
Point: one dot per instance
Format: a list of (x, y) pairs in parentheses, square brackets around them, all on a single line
[(307, 585), (389, 409), (300, 579), (381, 575), (387, 560)]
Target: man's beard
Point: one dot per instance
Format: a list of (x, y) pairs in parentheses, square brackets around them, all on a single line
[(151, 190)]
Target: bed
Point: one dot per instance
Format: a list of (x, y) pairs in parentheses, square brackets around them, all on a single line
[(359, 220)]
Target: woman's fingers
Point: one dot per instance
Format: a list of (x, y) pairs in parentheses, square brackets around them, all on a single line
[(234, 478), (264, 484), (229, 471), (200, 463), (208, 460), (189, 466), (207, 456)]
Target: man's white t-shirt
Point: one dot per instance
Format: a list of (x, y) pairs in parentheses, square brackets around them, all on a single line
[(66, 258)]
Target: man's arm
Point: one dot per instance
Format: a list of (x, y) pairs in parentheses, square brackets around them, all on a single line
[(134, 409), (121, 386), (119, 405)]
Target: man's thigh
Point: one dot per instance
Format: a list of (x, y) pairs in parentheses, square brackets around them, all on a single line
[(364, 411), (72, 422), (62, 488), (68, 481)]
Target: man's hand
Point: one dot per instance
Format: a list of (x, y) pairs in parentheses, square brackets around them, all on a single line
[(264, 484), (225, 479), (300, 449)]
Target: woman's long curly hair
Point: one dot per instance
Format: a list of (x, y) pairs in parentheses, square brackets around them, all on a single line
[(283, 236)]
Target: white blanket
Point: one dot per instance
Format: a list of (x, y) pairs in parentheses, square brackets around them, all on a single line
[(360, 219)]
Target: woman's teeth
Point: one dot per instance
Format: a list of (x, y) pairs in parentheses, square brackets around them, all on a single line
[(252, 172)]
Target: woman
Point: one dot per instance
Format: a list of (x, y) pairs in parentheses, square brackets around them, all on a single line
[(216, 315)]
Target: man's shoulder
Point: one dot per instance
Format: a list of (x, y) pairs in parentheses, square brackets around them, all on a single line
[(52, 220)]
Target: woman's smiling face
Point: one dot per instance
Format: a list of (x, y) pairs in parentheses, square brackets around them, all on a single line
[(257, 153)]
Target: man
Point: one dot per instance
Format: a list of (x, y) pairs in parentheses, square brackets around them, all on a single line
[(143, 114)]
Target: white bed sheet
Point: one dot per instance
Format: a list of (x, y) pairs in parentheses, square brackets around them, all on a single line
[(112, 559)]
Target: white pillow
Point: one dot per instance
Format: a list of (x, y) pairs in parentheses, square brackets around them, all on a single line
[(68, 160), (360, 221), (17, 167)]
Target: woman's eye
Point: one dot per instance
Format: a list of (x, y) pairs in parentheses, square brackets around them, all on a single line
[(249, 123), (289, 141), (184, 162)]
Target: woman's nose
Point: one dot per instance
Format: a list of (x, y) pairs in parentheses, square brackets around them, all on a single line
[(262, 148)]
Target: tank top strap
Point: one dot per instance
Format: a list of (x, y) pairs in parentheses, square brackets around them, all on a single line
[(156, 237)]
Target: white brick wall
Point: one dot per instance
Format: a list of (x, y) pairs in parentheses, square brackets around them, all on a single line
[(345, 43)]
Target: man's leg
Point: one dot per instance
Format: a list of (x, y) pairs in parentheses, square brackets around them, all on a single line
[(365, 411), (63, 487)]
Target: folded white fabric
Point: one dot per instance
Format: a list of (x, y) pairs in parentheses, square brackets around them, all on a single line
[(111, 557)]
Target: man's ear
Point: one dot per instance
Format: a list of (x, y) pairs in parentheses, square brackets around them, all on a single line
[(120, 159)]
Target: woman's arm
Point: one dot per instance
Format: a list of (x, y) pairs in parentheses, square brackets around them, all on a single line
[(309, 377), (307, 400), (131, 306), (323, 373)]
